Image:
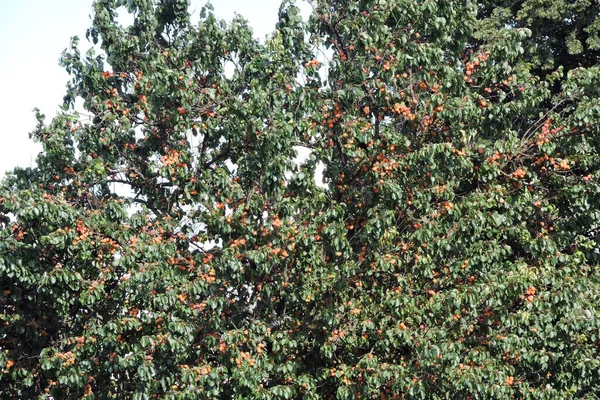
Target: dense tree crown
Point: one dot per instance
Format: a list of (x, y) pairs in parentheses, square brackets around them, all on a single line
[(174, 247), (564, 32)]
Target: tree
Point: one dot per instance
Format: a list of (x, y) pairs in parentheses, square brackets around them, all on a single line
[(172, 247)]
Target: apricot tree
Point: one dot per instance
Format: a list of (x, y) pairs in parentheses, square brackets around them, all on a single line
[(173, 246)]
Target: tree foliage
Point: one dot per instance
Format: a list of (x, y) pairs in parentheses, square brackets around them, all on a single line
[(564, 33), (174, 247)]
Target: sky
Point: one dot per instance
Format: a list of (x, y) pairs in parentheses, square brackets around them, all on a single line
[(33, 33)]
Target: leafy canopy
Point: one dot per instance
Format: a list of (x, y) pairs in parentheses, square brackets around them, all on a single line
[(173, 246), (564, 32)]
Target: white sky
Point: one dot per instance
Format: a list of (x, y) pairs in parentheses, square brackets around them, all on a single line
[(33, 33)]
